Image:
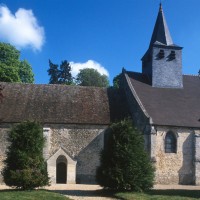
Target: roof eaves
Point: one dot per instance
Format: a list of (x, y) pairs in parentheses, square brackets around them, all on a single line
[(173, 125), (68, 123)]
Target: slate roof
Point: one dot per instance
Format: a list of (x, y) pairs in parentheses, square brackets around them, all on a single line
[(60, 104), (161, 32), (161, 36), (171, 107)]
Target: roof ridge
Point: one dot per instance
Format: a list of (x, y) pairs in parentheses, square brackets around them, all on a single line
[(191, 75), (51, 85)]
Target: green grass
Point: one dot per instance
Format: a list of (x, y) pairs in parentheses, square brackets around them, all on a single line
[(30, 195), (161, 195)]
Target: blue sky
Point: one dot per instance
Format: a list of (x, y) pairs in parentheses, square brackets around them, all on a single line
[(104, 34)]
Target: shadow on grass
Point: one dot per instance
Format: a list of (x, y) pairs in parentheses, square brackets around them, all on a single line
[(160, 194), (111, 194), (87, 193), (11, 190), (180, 193), (108, 193)]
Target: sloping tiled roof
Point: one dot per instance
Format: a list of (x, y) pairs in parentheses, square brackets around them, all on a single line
[(174, 107), (59, 104)]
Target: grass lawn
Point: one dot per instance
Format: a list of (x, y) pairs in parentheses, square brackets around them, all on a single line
[(161, 195), (30, 195)]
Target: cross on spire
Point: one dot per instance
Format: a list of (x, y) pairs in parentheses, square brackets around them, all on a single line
[(160, 8)]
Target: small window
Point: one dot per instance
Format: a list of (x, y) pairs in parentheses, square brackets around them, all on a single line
[(170, 142), (161, 53), (173, 55)]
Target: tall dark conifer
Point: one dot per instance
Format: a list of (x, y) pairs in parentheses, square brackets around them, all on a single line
[(65, 76), (60, 74), (53, 72), (25, 167), (124, 163)]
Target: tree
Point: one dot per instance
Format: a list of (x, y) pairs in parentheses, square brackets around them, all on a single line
[(11, 68), (60, 74), (116, 81), (24, 165), (91, 77), (124, 163), (25, 72), (9, 73), (53, 72), (65, 73)]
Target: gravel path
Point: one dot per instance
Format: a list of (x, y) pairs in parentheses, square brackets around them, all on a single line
[(78, 191), (81, 192), (95, 192)]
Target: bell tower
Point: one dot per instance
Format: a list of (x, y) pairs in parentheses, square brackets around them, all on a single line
[(162, 63)]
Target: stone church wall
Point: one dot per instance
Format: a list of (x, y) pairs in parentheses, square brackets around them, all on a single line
[(82, 143), (197, 156), (4, 129), (171, 168), (174, 168)]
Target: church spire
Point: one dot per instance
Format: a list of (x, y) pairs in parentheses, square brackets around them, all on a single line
[(161, 32), (162, 62), (160, 8)]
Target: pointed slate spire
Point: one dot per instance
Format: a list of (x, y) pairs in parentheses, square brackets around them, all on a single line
[(161, 32), (162, 62)]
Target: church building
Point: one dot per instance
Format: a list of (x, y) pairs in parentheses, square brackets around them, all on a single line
[(162, 102), (165, 105)]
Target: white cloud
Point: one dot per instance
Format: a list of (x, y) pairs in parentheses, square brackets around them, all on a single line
[(20, 29), (89, 64)]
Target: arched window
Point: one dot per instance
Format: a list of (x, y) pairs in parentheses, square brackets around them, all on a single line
[(170, 142)]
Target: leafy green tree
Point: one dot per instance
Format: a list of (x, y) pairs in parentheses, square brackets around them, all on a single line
[(9, 55), (25, 167), (9, 73), (91, 77), (60, 74), (12, 69), (25, 72), (116, 81), (124, 163)]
